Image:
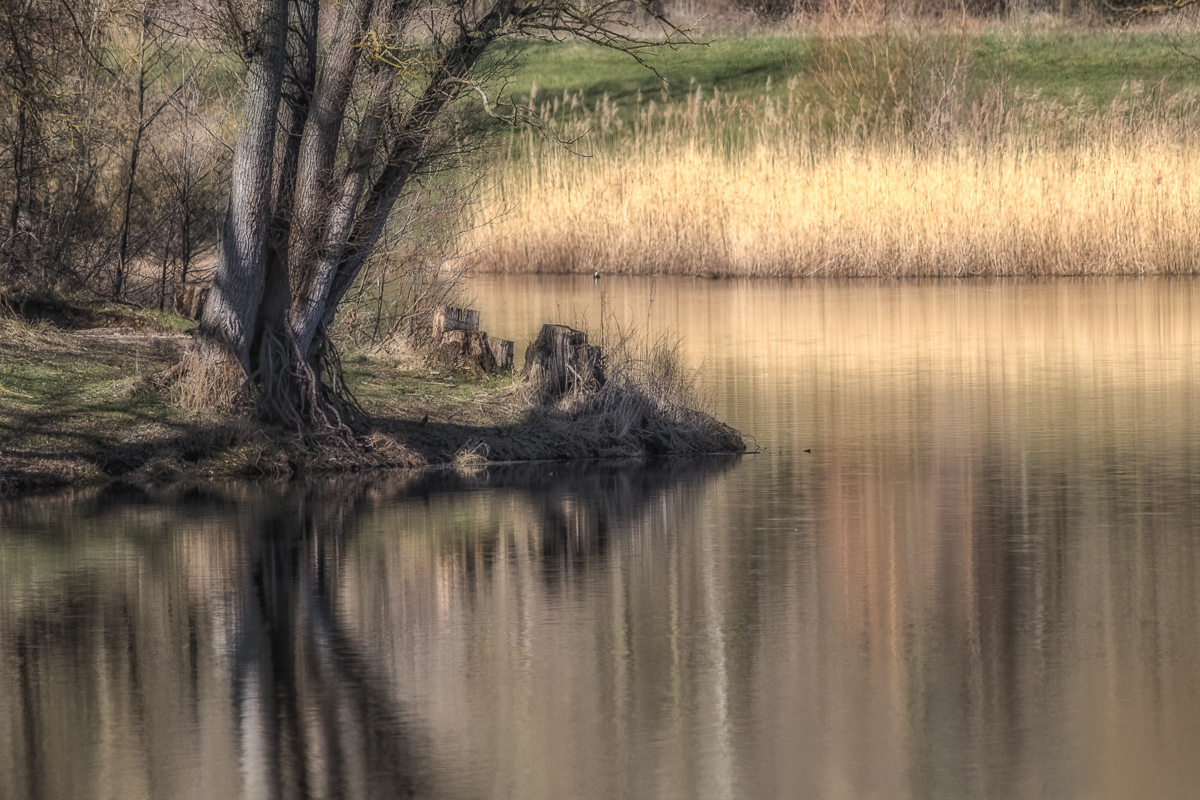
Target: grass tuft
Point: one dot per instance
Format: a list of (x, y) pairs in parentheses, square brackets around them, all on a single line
[(471, 457)]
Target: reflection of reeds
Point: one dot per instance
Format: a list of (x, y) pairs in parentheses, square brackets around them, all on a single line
[(712, 185)]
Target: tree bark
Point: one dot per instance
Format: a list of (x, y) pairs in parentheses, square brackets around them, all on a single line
[(297, 234), (318, 150), (309, 304), (231, 313)]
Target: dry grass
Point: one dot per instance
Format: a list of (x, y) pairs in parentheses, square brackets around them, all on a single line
[(713, 186), (471, 457), (649, 405), (209, 386)]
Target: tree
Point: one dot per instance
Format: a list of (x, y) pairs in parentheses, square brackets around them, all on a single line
[(332, 136), (89, 91)]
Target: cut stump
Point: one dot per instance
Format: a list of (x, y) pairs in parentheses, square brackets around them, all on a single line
[(450, 318), (560, 361), (502, 351), (460, 344), (189, 300), (467, 350)]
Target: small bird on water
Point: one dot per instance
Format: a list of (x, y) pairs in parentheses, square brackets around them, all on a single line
[(596, 275)]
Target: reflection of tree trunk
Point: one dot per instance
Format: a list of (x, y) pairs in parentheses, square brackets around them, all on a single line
[(314, 719), (248, 605), (31, 714)]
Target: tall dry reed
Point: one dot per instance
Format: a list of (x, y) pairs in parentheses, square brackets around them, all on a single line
[(791, 186)]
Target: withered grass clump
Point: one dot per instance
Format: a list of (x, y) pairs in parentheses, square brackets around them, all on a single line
[(471, 457), (208, 386), (1007, 185), (648, 405)]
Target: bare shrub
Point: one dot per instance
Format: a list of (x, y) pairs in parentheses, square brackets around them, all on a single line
[(94, 192)]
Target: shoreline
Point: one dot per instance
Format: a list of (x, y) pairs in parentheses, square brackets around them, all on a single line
[(88, 407)]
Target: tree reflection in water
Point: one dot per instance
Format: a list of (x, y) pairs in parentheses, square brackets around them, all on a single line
[(191, 643)]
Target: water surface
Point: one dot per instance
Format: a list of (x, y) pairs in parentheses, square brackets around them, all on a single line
[(980, 583)]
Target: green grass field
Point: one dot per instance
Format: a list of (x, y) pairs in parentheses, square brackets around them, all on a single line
[(1099, 65)]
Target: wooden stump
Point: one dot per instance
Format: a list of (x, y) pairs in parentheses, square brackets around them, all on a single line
[(449, 318), (189, 300), (502, 351), (560, 360), (466, 350), (459, 343)]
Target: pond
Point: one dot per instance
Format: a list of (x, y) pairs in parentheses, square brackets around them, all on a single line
[(965, 564)]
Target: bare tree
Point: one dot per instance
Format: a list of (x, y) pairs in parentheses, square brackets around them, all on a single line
[(312, 190), (83, 85), (42, 85), (188, 173), (151, 54)]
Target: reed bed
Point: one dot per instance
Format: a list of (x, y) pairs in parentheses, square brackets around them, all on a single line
[(788, 186)]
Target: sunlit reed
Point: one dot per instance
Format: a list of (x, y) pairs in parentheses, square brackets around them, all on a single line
[(716, 186)]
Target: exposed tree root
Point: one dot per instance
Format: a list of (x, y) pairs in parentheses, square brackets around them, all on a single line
[(291, 392), (309, 401)]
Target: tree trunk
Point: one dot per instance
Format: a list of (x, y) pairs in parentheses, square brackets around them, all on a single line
[(296, 236), (231, 313), (308, 307), (315, 163), (135, 153), (407, 148)]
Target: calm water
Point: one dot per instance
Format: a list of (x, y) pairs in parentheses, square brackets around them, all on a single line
[(982, 582)]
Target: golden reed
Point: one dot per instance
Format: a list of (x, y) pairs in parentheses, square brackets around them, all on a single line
[(717, 186)]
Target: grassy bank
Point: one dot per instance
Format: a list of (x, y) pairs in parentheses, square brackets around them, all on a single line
[(913, 154), (1055, 62), (85, 399)]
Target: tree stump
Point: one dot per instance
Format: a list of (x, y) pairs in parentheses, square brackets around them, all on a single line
[(189, 300), (449, 318), (560, 361), (459, 343), (466, 350), (502, 351)]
